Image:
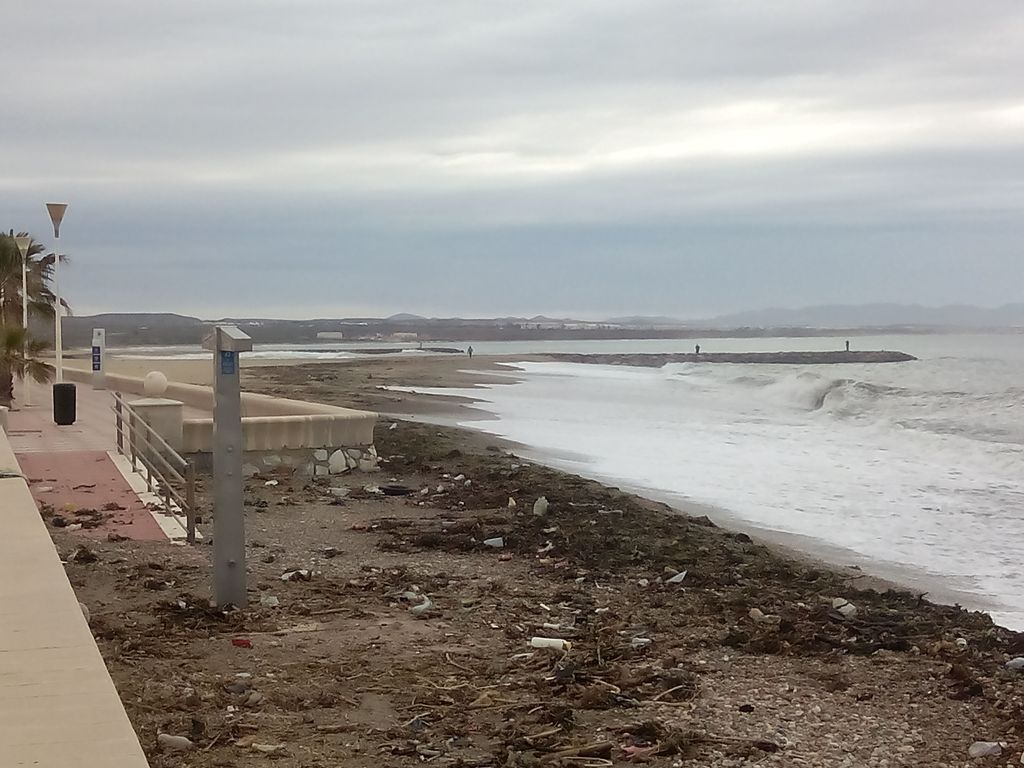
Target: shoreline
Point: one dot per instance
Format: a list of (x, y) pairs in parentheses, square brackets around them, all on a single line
[(458, 411), (394, 393)]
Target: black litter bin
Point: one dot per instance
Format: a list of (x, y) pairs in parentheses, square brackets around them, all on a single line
[(64, 404)]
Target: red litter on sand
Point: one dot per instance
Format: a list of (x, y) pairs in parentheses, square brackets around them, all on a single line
[(241, 642)]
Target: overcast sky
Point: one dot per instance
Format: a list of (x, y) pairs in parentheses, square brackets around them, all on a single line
[(576, 157)]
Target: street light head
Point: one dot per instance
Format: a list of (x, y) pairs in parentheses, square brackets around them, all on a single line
[(56, 211), (23, 242)]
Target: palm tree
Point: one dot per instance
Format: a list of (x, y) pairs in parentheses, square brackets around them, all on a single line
[(19, 357), (41, 300), (39, 276)]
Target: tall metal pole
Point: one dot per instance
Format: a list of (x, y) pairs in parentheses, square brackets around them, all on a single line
[(24, 246), (24, 322), (58, 342), (228, 514), (56, 211)]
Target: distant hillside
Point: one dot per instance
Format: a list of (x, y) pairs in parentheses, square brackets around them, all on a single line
[(877, 315), (129, 329), (157, 329), (644, 320)]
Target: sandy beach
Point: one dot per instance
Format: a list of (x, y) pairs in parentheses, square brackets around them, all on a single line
[(750, 658)]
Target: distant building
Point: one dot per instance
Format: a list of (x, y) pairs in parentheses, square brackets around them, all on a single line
[(330, 335), (404, 336)]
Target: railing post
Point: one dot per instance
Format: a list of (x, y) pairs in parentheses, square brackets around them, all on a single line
[(190, 502), (119, 420)]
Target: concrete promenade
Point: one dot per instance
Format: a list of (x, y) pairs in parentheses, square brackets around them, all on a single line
[(58, 706)]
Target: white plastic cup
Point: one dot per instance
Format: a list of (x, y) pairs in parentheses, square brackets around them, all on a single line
[(550, 642)]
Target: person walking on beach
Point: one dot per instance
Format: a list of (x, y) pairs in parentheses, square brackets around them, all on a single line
[(697, 349), (470, 353), (847, 345)]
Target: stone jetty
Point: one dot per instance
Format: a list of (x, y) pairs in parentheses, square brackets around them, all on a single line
[(764, 358)]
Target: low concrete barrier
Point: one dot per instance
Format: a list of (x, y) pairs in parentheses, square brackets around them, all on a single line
[(314, 438), (58, 705)]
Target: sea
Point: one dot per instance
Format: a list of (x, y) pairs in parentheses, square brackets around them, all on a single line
[(910, 471)]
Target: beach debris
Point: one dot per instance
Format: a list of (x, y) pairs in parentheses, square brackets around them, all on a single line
[(241, 642), (269, 749), (251, 699), (301, 574), (961, 644), (484, 700), (174, 743), (1016, 665), (241, 685), (340, 491), (640, 642), (511, 503), (330, 552), (556, 643), (374, 489), (760, 617), (985, 749), (459, 478), (57, 521), (497, 542), (677, 579), (269, 601), (644, 583), (421, 609), (272, 483), (540, 506), (393, 425), (83, 554), (844, 607), (396, 489)]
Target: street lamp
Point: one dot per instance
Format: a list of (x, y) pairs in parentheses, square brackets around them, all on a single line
[(56, 211), (24, 243)]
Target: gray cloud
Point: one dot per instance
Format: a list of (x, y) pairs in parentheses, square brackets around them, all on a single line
[(585, 156)]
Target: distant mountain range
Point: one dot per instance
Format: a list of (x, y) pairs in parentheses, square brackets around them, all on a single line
[(131, 329)]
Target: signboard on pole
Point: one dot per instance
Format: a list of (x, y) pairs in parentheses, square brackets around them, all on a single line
[(99, 344)]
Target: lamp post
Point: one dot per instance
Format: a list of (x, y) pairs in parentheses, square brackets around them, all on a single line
[(56, 211), (24, 243)]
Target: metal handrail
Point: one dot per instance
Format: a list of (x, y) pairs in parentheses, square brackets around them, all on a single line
[(143, 444)]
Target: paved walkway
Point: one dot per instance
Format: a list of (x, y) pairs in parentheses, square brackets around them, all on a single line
[(69, 469), (86, 488), (58, 706), (75, 469), (31, 429)]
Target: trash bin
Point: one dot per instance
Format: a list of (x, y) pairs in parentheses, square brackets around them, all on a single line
[(64, 405)]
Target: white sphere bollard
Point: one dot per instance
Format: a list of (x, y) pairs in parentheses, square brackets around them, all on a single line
[(155, 384)]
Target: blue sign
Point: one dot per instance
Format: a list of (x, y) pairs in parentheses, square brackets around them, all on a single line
[(228, 364)]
